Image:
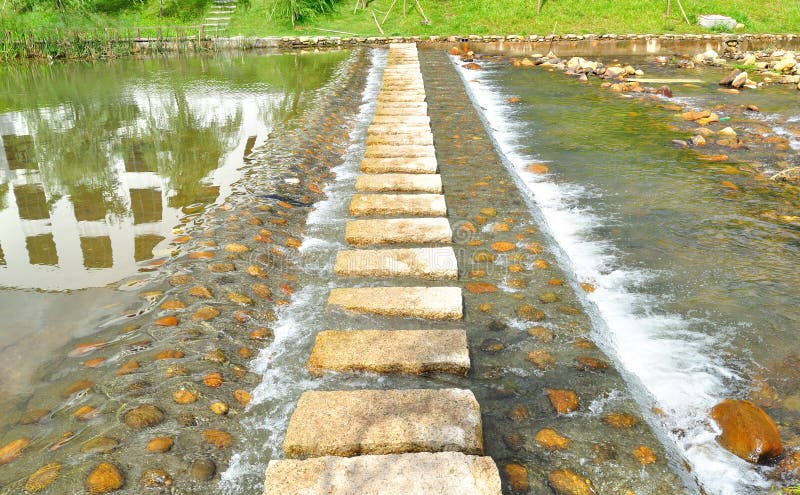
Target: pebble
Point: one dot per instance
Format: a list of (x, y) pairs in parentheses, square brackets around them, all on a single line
[(105, 478), (202, 469), (218, 438), (143, 416), (644, 455), (567, 482), (220, 408), (529, 313), (620, 420), (160, 445), (551, 439), (183, 396), (563, 401), (541, 359), (42, 477), (13, 450), (517, 477), (99, 445)]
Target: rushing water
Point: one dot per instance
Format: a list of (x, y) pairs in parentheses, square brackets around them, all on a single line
[(696, 283)]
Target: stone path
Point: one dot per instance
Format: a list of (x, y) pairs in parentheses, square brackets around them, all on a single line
[(219, 16), (419, 441)]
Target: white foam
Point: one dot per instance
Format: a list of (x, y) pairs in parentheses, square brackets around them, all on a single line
[(664, 358), (282, 364)]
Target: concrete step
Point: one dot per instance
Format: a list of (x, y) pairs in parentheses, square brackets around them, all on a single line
[(404, 96), (439, 473), (390, 351), (398, 205), (421, 165), (429, 183), (431, 303), (412, 139), (400, 111), (404, 152), (410, 120), (348, 423), (398, 127), (425, 263), (218, 19), (398, 231)]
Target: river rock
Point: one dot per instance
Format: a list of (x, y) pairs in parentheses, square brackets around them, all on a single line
[(202, 469), (551, 439), (566, 482), (143, 416), (747, 430), (739, 81), (12, 450), (160, 445), (644, 455), (99, 445), (42, 477), (728, 132), (105, 478), (563, 401), (517, 477)]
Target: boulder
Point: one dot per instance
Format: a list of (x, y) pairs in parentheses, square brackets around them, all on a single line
[(740, 80), (747, 430)]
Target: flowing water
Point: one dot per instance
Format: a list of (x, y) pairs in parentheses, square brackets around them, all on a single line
[(115, 174), (696, 284)]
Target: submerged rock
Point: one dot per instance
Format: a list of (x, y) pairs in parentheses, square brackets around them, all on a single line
[(105, 478), (566, 482), (747, 430), (42, 477), (143, 416), (202, 469)]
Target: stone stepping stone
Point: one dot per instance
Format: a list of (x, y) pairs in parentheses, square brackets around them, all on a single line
[(399, 127), (430, 183), (412, 205), (390, 151), (426, 263), (400, 111), (420, 165), (431, 303), (409, 120), (390, 351), (439, 473), (398, 231), (348, 423), (408, 139)]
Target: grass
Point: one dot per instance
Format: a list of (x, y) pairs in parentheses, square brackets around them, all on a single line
[(448, 17), (519, 17)]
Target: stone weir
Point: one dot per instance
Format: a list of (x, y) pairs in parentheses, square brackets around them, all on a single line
[(396, 441)]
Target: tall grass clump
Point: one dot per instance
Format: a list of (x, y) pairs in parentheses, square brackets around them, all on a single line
[(300, 10)]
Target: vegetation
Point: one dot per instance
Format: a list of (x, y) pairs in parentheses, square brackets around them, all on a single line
[(60, 19)]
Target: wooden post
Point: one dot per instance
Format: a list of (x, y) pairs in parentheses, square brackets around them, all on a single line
[(388, 12), (668, 7), (538, 7), (684, 13), (374, 18)]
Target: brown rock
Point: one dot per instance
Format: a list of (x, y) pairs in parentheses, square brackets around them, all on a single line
[(541, 359), (99, 445), (78, 386), (585, 363), (620, 420), (551, 439), (85, 413), (563, 401), (644, 455), (180, 279), (519, 413), (160, 445), (33, 416), (222, 267), (205, 313), (218, 438), (156, 478), (566, 482), (219, 408), (167, 321), (243, 397), (42, 477), (202, 469), (12, 450), (105, 478), (200, 291), (747, 430), (168, 354), (480, 288), (236, 248), (143, 416), (503, 247), (213, 379), (240, 299), (541, 333), (529, 313), (183, 396), (517, 477)]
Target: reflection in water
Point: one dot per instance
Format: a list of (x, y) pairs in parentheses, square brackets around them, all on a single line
[(99, 163)]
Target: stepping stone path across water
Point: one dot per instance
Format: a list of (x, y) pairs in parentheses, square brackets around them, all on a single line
[(414, 442)]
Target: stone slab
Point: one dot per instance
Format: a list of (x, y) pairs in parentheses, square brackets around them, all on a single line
[(420, 165), (348, 423), (411, 205), (407, 120), (408, 139), (401, 151), (379, 110), (431, 303), (401, 104), (426, 263), (398, 231), (426, 473), (384, 128), (404, 96), (430, 183), (390, 351)]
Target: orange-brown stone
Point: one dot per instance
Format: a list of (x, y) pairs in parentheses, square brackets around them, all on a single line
[(566, 482), (551, 439), (105, 478), (644, 455), (12, 450), (563, 401), (747, 430), (517, 477)]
